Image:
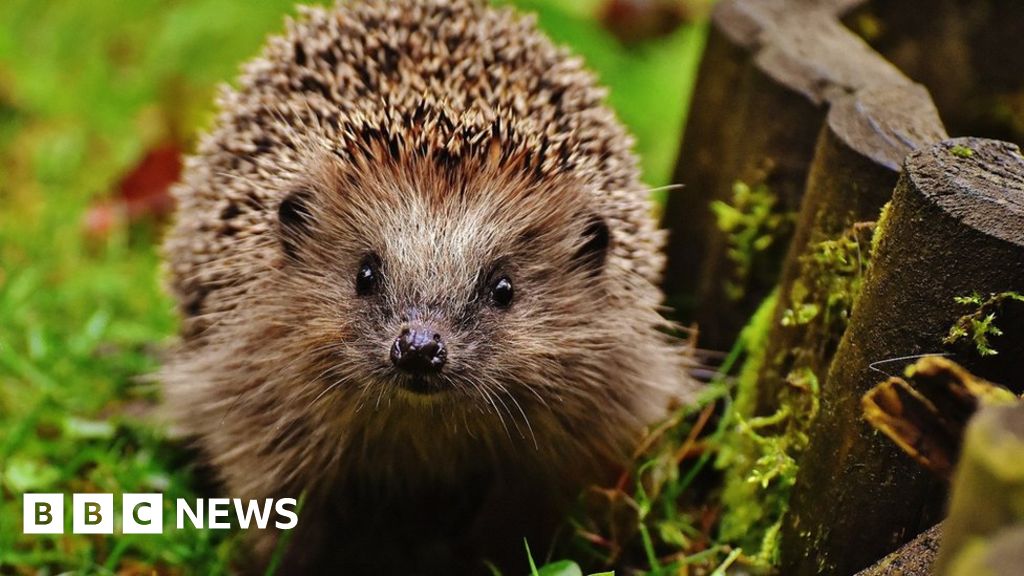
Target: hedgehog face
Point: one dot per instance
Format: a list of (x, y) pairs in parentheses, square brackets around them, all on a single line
[(447, 284)]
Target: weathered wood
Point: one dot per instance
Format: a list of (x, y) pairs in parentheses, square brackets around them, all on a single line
[(734, 38), (760, 99), (988, 491), (857, 161), (710, 126), (926, 414), (955, 226), (969, 54), (915, 558)]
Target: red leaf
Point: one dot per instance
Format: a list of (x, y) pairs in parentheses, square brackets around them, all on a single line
[(143, 193)]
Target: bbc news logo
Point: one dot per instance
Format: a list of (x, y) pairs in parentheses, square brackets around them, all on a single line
[(144, 513)]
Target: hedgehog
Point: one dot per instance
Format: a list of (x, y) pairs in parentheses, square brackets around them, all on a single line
[(417, 274)]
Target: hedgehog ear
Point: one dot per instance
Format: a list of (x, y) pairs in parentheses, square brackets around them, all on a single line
[(294, 221), (596, 240)]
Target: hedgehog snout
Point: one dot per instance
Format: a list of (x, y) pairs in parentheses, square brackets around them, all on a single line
[(419, 350)]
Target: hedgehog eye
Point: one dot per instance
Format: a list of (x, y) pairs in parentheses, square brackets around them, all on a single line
[(502, 292), (368, 276)]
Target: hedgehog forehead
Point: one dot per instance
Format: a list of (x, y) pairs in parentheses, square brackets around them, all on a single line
[(498, 198), (470, 219), (443, 227), (435, 257)]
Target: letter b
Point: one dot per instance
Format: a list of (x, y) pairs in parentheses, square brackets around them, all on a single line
[(92, 514), (43, 514)]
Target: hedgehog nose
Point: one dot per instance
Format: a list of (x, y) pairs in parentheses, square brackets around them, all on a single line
[(418, 350)]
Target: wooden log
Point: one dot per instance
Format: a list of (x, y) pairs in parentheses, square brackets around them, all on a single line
[(709, 127), (856, 164), (1000, 555), (733, 39), (857, 161), (955, 226), (988, 490), (928, 420), (968, 55), (915, 558), (757, 125)]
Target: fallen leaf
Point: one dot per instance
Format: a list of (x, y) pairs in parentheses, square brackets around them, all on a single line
[(143, 193)]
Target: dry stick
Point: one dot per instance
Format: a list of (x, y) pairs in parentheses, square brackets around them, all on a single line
[(955, 226), (928, 421), (756, 113), (988, 497), (968, 54), (865, 139), (926, 413)]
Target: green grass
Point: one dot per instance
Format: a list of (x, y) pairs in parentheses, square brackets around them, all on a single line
[(86, 88)]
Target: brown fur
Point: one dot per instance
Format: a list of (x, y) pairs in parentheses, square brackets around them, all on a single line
[(451, 139)]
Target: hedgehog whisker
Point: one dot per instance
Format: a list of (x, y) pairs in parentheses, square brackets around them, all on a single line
[(497, 411), (526, 418), (324, 392)]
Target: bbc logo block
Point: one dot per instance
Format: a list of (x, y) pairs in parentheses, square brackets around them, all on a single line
[(92, 514), (142, 513), (43, 514)]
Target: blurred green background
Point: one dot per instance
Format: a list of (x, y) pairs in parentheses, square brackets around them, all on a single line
[(97, 99)]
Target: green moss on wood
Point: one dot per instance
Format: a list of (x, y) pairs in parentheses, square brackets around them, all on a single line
[(760, 462), (759, 469), (751, 222), (835, 268), (961, 151), (979, 325), (753, 338), (880, 225)]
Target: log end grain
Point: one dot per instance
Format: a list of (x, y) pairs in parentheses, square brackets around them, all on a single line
[(977, 181)]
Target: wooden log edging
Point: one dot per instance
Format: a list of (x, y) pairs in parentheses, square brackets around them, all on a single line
[(955, 227), (770, 70), (857, 161)]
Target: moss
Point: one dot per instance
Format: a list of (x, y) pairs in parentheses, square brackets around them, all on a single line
[(979, 325), (961, 151), (801, 311), (760, 462), (754, 339), (759, 471), (836, 270), (880, 225), (751, 222)]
